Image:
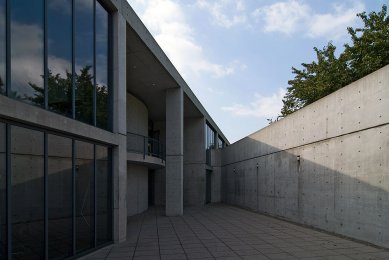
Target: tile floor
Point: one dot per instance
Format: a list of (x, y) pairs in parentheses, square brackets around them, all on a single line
[(227, 232)]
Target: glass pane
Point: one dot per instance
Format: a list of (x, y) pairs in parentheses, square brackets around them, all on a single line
[(103, 195), (27, 193), (27, 51), (84, 60), (60, 196), (59, 59), (2, 193), (2, 46), (84, 196), (102, 88)]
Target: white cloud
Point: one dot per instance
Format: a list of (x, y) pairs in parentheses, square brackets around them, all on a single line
[(284, 17), (334, 25), (225, 13), (166, 21), (262, 106), (292, 16)]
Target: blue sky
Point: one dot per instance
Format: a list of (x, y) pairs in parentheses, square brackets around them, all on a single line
[(236, 55)]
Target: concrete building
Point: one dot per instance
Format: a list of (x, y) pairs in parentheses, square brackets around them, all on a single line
[(96, 124)]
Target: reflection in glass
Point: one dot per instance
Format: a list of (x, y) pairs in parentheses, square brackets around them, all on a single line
[(84, 156), (84, 61), (59, 196), (102, 87), (27, 51), (2, 193), (2, 46), (103, 195), (27, 213), (59, 59), (210, 137)]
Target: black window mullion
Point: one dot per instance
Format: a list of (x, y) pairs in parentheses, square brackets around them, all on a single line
[(8, 189), (45, 75), (7, 48), (95, 195), (94, 65), (73, 62), (111, 88), (74, 195), (46, 212)]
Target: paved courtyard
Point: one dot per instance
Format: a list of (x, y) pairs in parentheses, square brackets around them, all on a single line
[(226, 232)]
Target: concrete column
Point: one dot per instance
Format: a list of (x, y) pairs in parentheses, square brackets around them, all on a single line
[(174, 151), (119, 128)]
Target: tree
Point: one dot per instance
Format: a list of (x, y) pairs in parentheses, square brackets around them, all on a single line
[(368, 52)]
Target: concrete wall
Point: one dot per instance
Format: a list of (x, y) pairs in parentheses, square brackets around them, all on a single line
[(137, 189), (194, 161), (137, 116), (137, 175), (341, 182)]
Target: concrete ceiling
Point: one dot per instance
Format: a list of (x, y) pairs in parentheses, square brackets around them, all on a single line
[(147, 79)]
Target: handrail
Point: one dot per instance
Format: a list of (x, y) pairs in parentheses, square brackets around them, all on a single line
[(145, 145)]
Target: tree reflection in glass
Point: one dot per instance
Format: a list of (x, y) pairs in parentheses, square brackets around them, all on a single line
[(59, 58), (84, 51)]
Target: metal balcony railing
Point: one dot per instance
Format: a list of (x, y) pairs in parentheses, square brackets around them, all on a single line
[(145, 145)]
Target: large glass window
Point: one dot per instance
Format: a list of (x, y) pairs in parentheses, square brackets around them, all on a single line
[(65, 158), (77, 48), (3, 227), (102, 87), (209, 137), (27, 51), (27, 209), (2, 46), (103, 197), (84, 156), (84, 63), (60, 197), (59, 57)]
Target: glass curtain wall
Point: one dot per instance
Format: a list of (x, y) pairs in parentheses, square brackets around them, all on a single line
[(209, 137), (60, 200), (84, 157), (3, 223), (27, 50), (2, 46), (103, 199), (59, 56), (27, 193), (43, 167), (73, 42)]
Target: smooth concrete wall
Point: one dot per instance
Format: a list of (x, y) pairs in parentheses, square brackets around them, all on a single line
[(137, 116), (137, 189), (194, 162), (341, 182)]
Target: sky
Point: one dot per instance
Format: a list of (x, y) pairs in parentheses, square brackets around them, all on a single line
[(237, 55)]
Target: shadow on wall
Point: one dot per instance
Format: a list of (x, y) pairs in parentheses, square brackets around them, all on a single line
[(340, 184)]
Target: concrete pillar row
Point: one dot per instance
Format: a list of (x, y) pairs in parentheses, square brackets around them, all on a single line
[(174, 151)]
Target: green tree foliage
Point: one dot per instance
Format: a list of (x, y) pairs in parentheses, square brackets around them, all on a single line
[(368, 52)]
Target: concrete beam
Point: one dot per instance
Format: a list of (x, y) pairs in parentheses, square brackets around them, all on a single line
[(174, 151)]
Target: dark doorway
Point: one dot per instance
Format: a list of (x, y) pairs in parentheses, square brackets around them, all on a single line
[(208, 186), (151, 187)]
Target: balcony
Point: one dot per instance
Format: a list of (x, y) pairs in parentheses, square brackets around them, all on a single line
[(145, 150)]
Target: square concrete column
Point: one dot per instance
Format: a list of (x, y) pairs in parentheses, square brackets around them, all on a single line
[(120, 129), (174, 151)]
